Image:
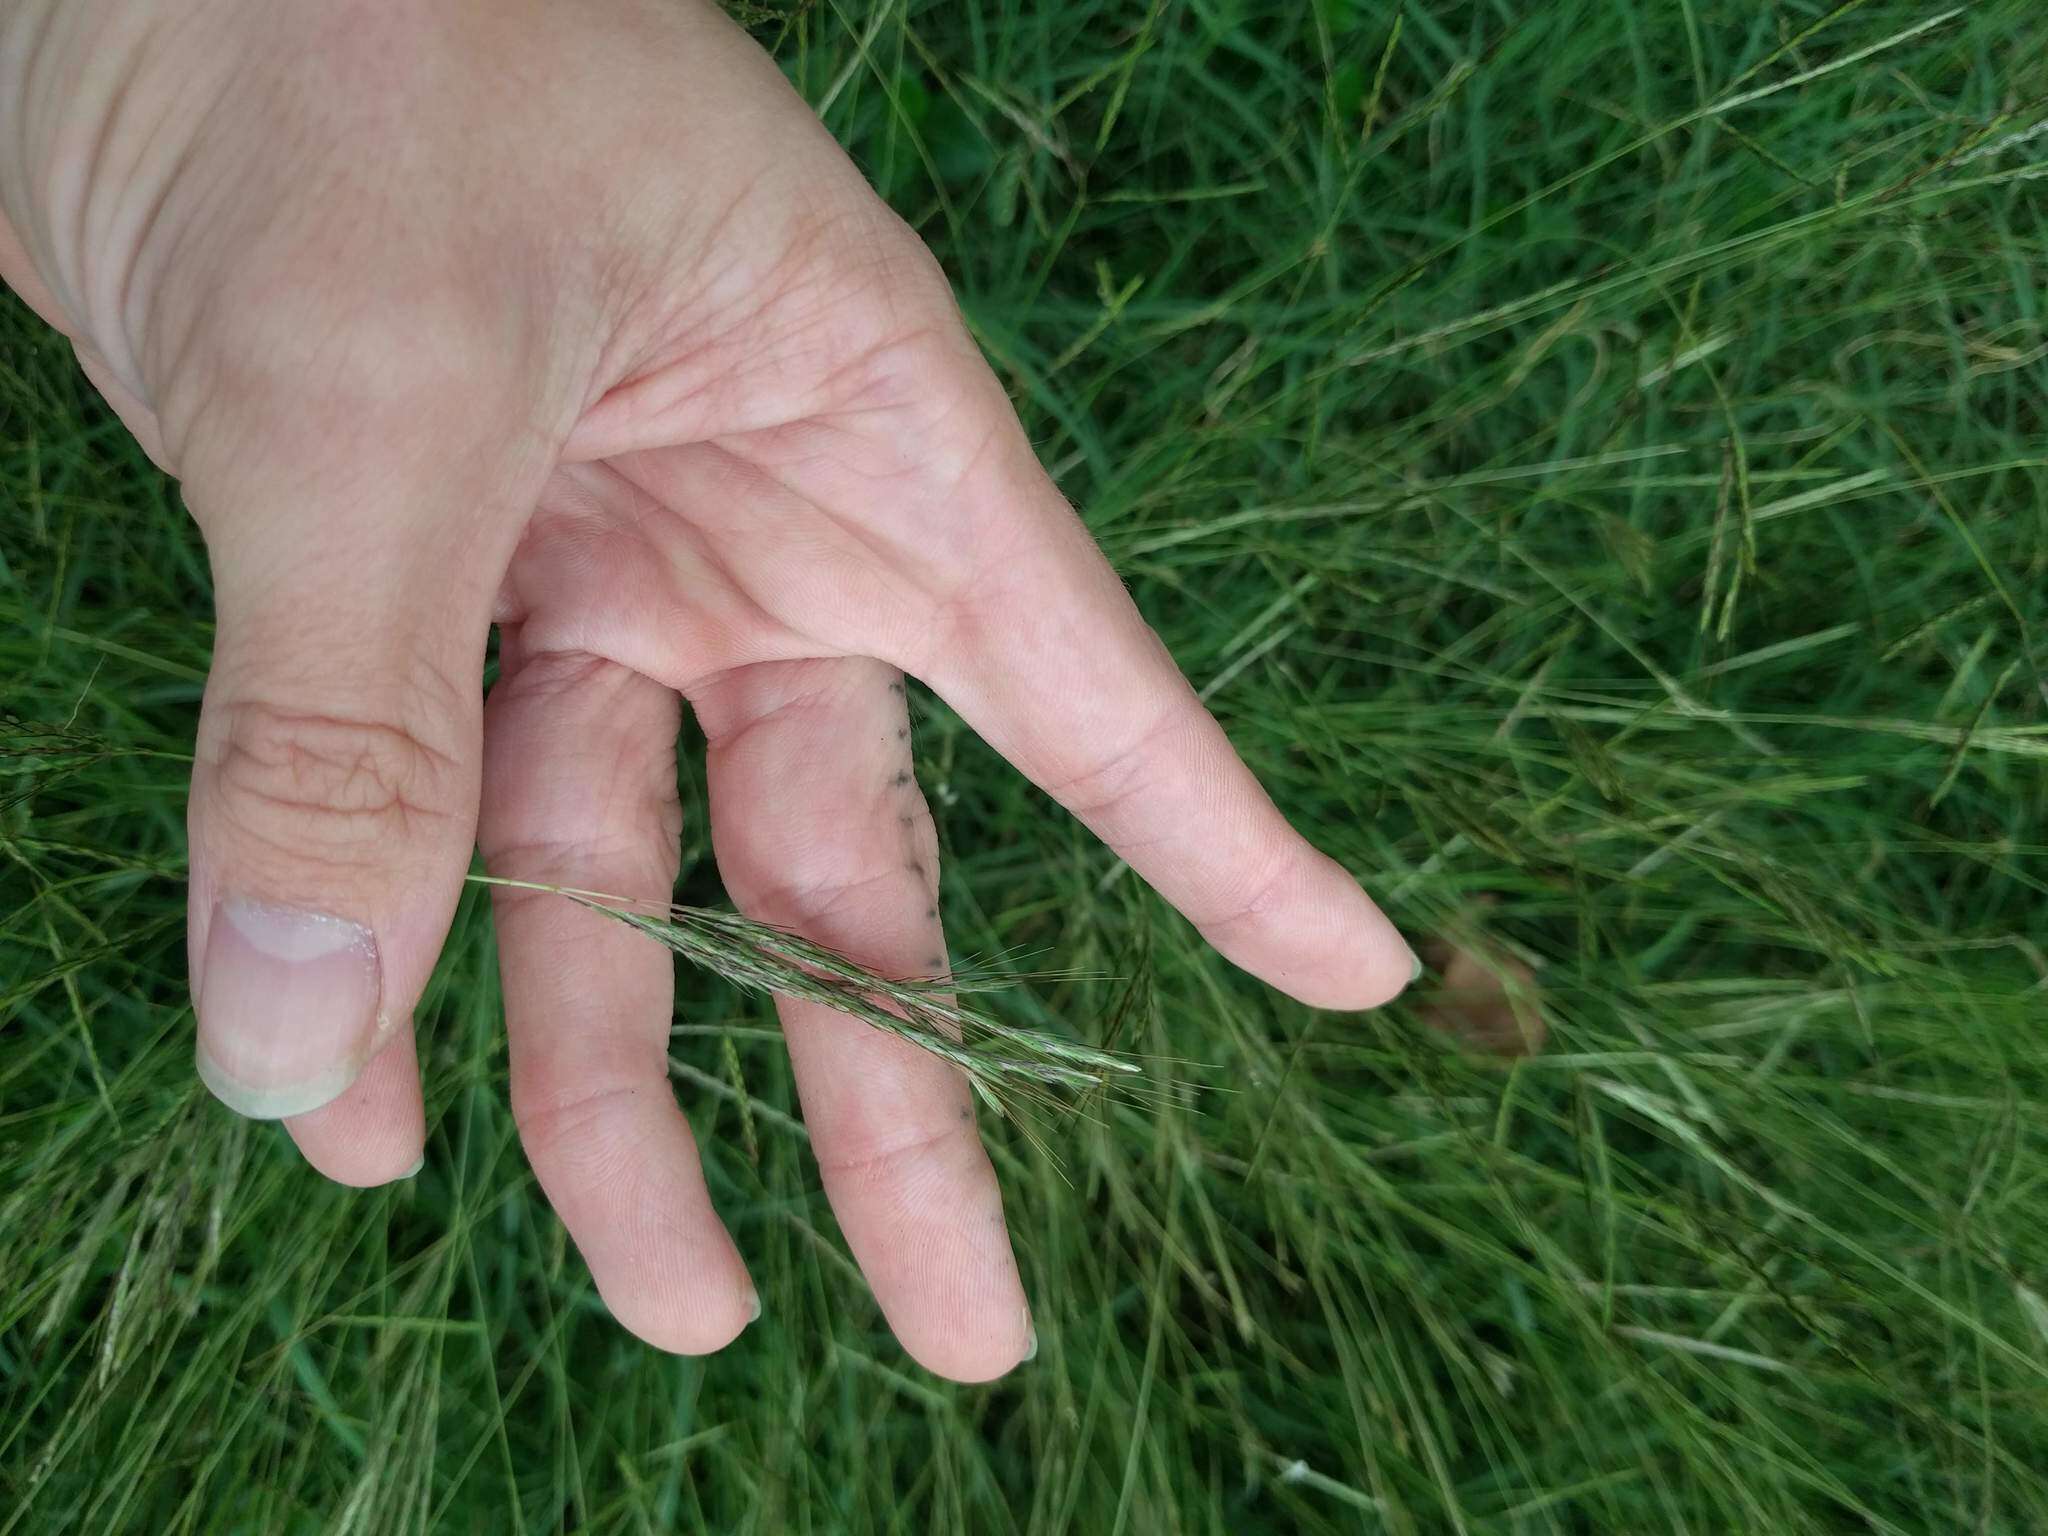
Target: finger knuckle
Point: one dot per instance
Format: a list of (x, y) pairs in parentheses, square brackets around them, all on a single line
[(820, 901), (884, 256), (329, 783), (556, 1126), (1253, 890), (900, 1164), (1112, 781), (879, 303)]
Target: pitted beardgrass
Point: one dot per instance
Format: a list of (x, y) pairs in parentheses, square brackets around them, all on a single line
[(1000, 1060)]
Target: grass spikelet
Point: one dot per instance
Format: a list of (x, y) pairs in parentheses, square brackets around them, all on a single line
[(1002, 1061)]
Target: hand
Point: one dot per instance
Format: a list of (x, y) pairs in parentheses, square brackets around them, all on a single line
[(574, 320)]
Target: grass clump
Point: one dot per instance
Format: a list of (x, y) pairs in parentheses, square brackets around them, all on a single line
[(1591, 457)]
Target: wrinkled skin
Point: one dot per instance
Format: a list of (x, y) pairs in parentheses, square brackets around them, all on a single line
[(573, 319)]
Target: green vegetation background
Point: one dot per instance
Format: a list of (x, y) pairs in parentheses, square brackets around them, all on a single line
[(1590, 452)]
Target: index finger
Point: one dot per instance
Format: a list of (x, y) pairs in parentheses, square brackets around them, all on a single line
[(1045, 655)]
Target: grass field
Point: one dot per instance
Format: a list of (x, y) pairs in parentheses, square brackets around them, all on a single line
[(1592, 455)]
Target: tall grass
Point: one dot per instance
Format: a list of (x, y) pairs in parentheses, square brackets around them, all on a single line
[(1591, 454)]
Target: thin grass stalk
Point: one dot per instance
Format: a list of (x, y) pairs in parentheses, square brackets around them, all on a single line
[(1000, 1059)]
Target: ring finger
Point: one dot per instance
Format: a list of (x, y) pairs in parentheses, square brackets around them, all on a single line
[(819, 827)]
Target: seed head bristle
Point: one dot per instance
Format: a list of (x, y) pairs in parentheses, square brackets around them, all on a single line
[(1001, 1060)]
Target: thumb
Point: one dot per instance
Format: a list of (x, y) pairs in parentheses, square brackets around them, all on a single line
[(335, 782)]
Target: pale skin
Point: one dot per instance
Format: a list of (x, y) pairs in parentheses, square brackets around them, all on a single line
[(573, 320)]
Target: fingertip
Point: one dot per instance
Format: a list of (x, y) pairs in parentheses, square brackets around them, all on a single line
[(373, 1133), (1320, 939), (369, 1176), (967, 1362), (962, 1314), (1386, 968), (971, 1361), (621, 1169), (684, 1298), (680, 1325)]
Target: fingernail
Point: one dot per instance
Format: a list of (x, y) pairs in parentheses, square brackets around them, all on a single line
[(287, 1007), (1030, 1338), (753, 1308), (413, 1171), (1414, 968)]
